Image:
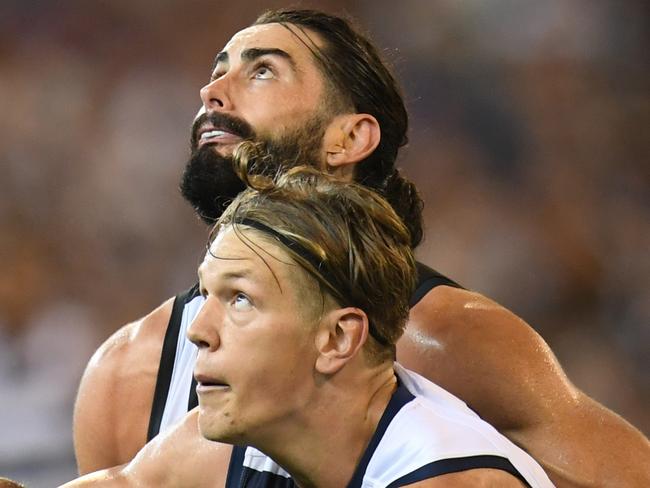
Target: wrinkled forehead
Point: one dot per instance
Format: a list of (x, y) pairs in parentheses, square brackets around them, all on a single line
[(287, 37)]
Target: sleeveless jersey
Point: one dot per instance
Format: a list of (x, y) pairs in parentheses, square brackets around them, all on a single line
[(175, 392), (424, 432)]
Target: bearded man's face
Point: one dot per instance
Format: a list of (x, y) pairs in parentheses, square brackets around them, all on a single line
[(209, 182), (267, 87)]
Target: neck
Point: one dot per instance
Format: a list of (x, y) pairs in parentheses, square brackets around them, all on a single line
[(333, 429)]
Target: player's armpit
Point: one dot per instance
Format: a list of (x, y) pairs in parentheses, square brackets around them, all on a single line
[(505, 371), (111, 413)]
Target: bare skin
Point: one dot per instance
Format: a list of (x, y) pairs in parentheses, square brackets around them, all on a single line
[(324, 345), (111, 415), (504, 370), (461, 340), (207, 466), (474, 348)]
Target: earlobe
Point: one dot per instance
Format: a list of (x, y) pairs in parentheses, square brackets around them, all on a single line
[(351, 138), (340, 339)]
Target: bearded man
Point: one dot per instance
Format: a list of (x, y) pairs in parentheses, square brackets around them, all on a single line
[(310, 87), (288, 268)]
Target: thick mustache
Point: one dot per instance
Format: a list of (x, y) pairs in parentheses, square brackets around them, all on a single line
[(229, 123)]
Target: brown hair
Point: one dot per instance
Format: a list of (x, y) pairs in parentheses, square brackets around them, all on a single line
[(343, 234), (362, 81)]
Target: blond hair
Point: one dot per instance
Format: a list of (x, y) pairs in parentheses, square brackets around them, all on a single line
[(344, 235)]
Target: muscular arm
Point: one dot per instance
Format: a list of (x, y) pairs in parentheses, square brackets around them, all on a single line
[(111, 414), (505, 371), (179, 457)]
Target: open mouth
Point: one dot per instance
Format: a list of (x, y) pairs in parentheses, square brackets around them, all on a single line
[(213, 133), (213, 385), (206, 383), (218, 136)]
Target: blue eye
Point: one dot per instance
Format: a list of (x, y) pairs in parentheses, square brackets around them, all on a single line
[(263, 72), (241, 303)]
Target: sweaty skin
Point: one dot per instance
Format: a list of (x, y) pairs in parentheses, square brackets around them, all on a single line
[(459, 339), (208, 464)]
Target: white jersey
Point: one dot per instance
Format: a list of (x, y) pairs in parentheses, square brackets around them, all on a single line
[(176, 404), (429, 434), (425, 432), (175, 393)]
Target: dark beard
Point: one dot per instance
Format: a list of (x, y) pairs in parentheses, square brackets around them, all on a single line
[(209, 182)]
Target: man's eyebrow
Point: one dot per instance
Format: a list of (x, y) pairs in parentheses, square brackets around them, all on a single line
[(221, 57), (229, 275), (252, 53), (236, 275), (244, 270)]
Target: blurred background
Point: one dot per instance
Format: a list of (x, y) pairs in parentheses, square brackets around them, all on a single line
[(529, 142)]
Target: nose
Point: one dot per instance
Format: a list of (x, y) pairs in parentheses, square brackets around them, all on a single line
[(204, 329), (215, 95)]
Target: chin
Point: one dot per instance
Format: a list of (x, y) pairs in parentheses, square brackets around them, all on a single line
[(226, 150), (218, 427)]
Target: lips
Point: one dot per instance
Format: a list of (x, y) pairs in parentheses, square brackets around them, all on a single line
[(206, 383), (220, 128), (211, 135)]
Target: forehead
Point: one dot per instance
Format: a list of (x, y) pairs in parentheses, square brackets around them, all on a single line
[(246, 254), (287, 37)]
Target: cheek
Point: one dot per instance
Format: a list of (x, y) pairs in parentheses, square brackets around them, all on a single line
[(274, 113), (278, 370)]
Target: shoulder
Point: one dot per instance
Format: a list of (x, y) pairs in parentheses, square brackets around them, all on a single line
[(503, 369), (464, 318), (140, 342), (455, 317), (137, 342), (483, 353), (445, 309), (440, 435), (111, 412)]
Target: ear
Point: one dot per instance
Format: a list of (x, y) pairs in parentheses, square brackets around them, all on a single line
[(350, 138), (340, 338)]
